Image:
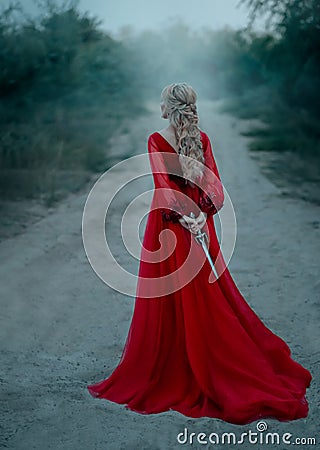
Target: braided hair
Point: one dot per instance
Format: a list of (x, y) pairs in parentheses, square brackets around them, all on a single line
[(180, 105)]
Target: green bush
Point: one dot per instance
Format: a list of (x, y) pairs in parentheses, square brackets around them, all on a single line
[(65, 87)]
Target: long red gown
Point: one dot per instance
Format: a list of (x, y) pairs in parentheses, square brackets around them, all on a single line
[(196, 346)]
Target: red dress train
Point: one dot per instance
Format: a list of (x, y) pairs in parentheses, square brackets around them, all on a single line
[(196, 346)]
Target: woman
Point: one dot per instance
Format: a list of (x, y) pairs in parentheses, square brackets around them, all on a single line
[(196, 346)]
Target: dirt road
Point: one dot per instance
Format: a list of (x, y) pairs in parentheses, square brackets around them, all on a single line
[(63, 328)]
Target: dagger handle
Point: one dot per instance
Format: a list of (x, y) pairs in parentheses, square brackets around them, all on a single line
[(201, 235)]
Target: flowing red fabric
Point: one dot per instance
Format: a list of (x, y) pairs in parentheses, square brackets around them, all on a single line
[(196, 346)]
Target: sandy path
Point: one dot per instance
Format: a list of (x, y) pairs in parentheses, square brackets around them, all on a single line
[(63, 328)]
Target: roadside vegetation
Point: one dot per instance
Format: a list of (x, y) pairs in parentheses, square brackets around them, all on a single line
[(65, 87)]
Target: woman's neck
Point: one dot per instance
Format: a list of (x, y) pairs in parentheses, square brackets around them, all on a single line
[(171, 129)]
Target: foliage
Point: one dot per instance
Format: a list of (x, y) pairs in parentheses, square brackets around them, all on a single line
[(295, 56), (65, 87), (288, 61)]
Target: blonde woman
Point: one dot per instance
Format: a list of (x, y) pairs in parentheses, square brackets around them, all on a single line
[(196, 346)]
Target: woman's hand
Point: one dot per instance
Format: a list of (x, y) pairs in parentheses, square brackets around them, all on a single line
[(201, 219), (194, 224), (184, 223)]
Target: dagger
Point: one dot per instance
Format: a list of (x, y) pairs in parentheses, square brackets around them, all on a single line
[(202, 239)]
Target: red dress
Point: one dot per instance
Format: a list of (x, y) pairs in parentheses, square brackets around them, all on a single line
[(196, 346)]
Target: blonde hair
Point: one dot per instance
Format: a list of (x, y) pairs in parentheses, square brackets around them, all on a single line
[(180, 105)]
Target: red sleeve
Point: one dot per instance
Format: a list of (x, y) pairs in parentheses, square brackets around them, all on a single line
[(172, 203), (212, 196)]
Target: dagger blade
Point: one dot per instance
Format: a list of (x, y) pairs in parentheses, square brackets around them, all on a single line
[(201, 238)]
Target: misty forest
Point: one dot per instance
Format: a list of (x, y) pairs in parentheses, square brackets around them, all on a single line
[(66, 86)]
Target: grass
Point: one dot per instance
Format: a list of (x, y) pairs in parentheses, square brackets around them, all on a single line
[(284, 141), (53, 151)]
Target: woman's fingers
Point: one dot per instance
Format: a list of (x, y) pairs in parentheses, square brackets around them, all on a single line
[(191, 226), (202, 217), (201, 225), (190, 221), (194, 228), (194, 224), (184, 223)]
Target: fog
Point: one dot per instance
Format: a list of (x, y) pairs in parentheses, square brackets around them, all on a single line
[(142, 14), (184, 36), (67, 72), (145, 14)]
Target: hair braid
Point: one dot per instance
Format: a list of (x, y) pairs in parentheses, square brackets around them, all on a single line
[(180, 101)]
